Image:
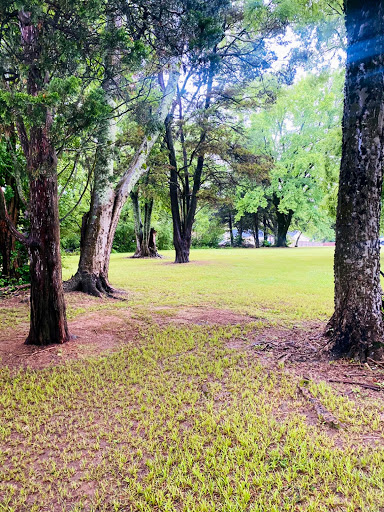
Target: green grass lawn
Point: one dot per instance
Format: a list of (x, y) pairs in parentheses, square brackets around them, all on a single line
[(179, 420), (278, 284)]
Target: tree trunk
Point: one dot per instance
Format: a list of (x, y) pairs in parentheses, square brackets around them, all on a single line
[(182, 248), (181, 237), (108, 201), (256, 229), (145, 235), (10, 262), (48, 322), (230, 227), (297, 240), (239, 241), (283, 223), (183, 221), (90, 277), (265, 234), (137, 221), (357, 324)]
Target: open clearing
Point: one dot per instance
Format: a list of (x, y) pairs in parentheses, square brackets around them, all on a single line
[(185, 396)]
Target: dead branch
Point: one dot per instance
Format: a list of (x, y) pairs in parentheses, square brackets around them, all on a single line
[(323, 414), (354, 383), (12, 228)]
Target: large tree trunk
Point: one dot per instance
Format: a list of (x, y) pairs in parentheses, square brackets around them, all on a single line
[(357, 323), (48, 323), (48, 319), (108, 201), (90, 277), (182, 249), (283, 222)]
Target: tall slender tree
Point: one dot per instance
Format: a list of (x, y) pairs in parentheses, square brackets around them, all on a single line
[(357, 323), (236, 54)]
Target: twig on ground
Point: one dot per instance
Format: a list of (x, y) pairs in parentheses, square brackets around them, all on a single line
[(41, 350), (355, 383), (377, 363), (284, 357)]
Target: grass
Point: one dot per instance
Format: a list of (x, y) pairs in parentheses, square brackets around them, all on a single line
[(177, 421), (286, 284)]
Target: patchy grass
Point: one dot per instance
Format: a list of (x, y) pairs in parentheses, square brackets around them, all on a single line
[(191, 418), (277, 284), (178, 422)]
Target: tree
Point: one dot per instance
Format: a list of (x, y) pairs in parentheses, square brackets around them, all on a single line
[(43, 50), (356, 326), (170, 29), (301, 133), (145, 234), (12, 255), (236, 54)]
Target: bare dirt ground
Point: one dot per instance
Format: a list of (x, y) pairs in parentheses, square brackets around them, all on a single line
[(303, 350), (104, 326)]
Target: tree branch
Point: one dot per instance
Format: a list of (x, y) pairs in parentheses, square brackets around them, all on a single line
[(4, 216)]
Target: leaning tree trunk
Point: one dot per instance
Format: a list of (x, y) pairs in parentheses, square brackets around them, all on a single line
[(357, 324), (137, 166), (108, 201), (90, 277)]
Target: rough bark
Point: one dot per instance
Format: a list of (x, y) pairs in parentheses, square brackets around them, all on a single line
[(90, 277), (357, 324), (48, 322), (108, 200)]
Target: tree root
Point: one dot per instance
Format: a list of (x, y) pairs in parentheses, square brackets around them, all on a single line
[(323, 414), (362, 384), (92, 284), (149, 255)]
